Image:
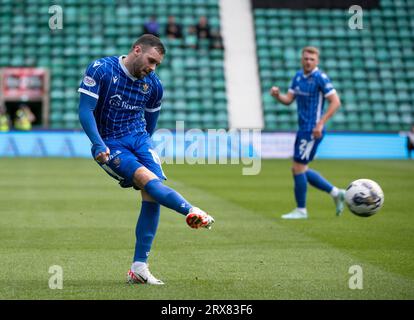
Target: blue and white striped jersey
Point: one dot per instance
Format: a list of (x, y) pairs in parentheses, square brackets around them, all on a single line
[(122, 98), (310, 92)]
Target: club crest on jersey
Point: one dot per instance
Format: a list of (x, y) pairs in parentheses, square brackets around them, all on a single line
[(88, 81), (143, 88)]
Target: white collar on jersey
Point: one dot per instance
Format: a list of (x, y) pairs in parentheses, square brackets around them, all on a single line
[(307, 75), (125, 69)]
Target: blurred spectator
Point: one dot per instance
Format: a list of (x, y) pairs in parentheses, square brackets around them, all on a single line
[(152, 26), (24, 118), (410, 141), (4, 120), (191, 38), (203, 32), (216, 40), (173, 30)]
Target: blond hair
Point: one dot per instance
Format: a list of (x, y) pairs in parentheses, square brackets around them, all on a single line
[(312, 50)]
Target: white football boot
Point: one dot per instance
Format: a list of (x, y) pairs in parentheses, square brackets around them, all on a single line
[(142, 275), (197, 218), (295, 214), (339, 202)]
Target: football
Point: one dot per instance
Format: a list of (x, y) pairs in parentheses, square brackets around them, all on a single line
[(364, 197)]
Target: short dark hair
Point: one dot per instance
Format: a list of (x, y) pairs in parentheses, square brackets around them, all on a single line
[(149, 40)]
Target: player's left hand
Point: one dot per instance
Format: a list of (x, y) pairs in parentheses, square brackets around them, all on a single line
[(317, 131), (103, 157)]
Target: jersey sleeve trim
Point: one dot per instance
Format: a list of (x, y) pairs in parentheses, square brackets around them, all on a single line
[(330, 93), (291, 91), (94, 95), (153, 110)]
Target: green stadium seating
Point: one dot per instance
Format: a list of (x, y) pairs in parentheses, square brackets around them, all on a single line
[(372, 69), (193, 79)]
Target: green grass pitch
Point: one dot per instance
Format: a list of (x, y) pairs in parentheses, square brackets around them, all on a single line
[(68, 212)]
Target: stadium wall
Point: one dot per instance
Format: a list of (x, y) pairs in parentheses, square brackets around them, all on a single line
[(273, 145)]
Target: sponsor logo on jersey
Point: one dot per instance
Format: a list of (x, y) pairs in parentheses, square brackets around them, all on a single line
[(88, 81), (300, 93), (116, 101), (115, 79)]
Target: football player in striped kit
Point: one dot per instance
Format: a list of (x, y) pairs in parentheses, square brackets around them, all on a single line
[(120, 99), (310, 87)]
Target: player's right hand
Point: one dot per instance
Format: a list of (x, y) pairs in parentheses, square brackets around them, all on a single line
[(103, 157), (274, 92)]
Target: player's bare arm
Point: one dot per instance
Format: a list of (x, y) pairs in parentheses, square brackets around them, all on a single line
[(334, 104), (283, 98)]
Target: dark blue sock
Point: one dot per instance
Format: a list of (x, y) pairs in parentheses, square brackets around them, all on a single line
[(146, 228), (316, 180), (301, 185), (167, 197)]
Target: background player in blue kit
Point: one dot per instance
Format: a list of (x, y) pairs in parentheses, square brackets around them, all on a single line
[(310, 87), (120, 100)]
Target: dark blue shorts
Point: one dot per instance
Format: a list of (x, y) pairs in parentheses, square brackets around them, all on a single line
[(129, 153), (305, 147)]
